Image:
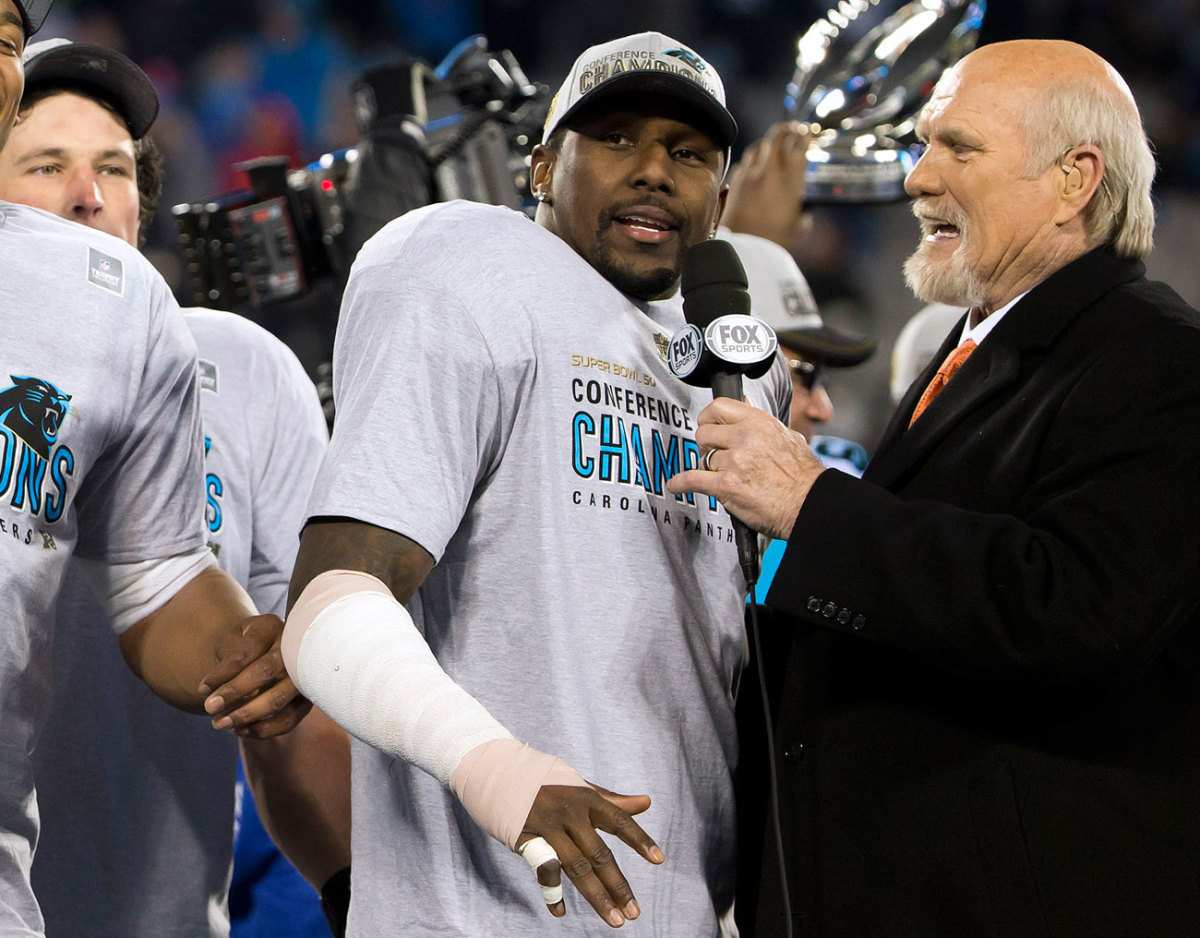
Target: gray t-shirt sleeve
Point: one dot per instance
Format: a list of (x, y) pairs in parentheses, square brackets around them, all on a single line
[(292, 443), (422, 414), (142, 499)]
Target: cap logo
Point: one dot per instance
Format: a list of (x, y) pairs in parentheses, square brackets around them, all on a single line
[(687, 55), (792, 301)]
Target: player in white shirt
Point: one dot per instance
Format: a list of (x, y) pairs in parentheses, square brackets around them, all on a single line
[(137, 800), (506, 424), (129, 779)]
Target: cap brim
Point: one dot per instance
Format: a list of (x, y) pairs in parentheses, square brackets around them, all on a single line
[(835, 348), (721, 124), (101, 71), (33, 13)]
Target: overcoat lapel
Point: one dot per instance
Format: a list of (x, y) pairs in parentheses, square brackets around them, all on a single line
[(995, 366)]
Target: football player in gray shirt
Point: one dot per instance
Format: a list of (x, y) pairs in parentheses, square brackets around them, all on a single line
[(99, 443), (506, 421), (124, 783)]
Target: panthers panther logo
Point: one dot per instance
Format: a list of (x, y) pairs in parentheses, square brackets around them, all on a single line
[(688, 56), (34, 410)]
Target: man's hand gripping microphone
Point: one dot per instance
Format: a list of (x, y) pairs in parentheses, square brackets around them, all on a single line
[(720, 343)]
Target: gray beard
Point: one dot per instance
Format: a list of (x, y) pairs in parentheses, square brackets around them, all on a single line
[(948, 281)]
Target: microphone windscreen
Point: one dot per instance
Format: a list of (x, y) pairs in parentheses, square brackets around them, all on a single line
[(713, 283)]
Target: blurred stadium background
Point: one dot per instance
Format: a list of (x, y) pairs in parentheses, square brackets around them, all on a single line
[(245, 78)]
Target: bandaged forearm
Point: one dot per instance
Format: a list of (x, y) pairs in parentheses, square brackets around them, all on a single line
[(354, 651)]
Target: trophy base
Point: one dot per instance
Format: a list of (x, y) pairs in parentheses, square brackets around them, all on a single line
[(841, 178)]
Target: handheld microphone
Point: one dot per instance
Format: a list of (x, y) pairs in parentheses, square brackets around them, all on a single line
[(719, 343)]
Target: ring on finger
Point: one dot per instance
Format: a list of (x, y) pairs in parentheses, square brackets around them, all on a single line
[(707, 463), (537, 853)]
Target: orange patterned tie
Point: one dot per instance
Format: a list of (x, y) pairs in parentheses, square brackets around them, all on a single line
[(952, 363)]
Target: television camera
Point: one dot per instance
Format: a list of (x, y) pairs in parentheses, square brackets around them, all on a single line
[(461, 130)]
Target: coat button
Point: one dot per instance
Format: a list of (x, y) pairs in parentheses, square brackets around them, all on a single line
[(843, 616), (859, 623), (829, 610), (793, 752), (814, 604)]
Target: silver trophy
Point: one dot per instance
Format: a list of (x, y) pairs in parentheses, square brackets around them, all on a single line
[(859, 87)]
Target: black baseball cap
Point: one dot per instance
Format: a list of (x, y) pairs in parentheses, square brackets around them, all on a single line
[(94, 70), (33, 13)]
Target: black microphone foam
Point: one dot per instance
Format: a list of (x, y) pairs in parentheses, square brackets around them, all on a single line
[(713, 283)]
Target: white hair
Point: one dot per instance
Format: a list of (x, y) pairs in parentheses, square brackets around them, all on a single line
[(1078, 111)]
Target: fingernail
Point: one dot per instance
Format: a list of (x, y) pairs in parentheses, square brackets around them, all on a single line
[(222, 724), (656, 855), (632, 910), (213, 704), (205, 690), (615, 918)]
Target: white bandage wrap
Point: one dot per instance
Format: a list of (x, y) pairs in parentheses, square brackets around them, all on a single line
[(537, 853), (362, 661), (131, 591), (354, 651)]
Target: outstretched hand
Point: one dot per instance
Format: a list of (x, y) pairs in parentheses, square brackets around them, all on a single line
[(253, 694), (568, 818)]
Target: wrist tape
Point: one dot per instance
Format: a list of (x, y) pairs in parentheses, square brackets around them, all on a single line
[(498, 780)]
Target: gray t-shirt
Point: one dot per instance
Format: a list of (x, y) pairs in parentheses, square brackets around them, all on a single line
[(504, 406), (137, 798), (99, 433)]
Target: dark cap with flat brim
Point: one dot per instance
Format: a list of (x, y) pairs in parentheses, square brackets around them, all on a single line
[(645, 63), (94, 70), (33, 14)]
